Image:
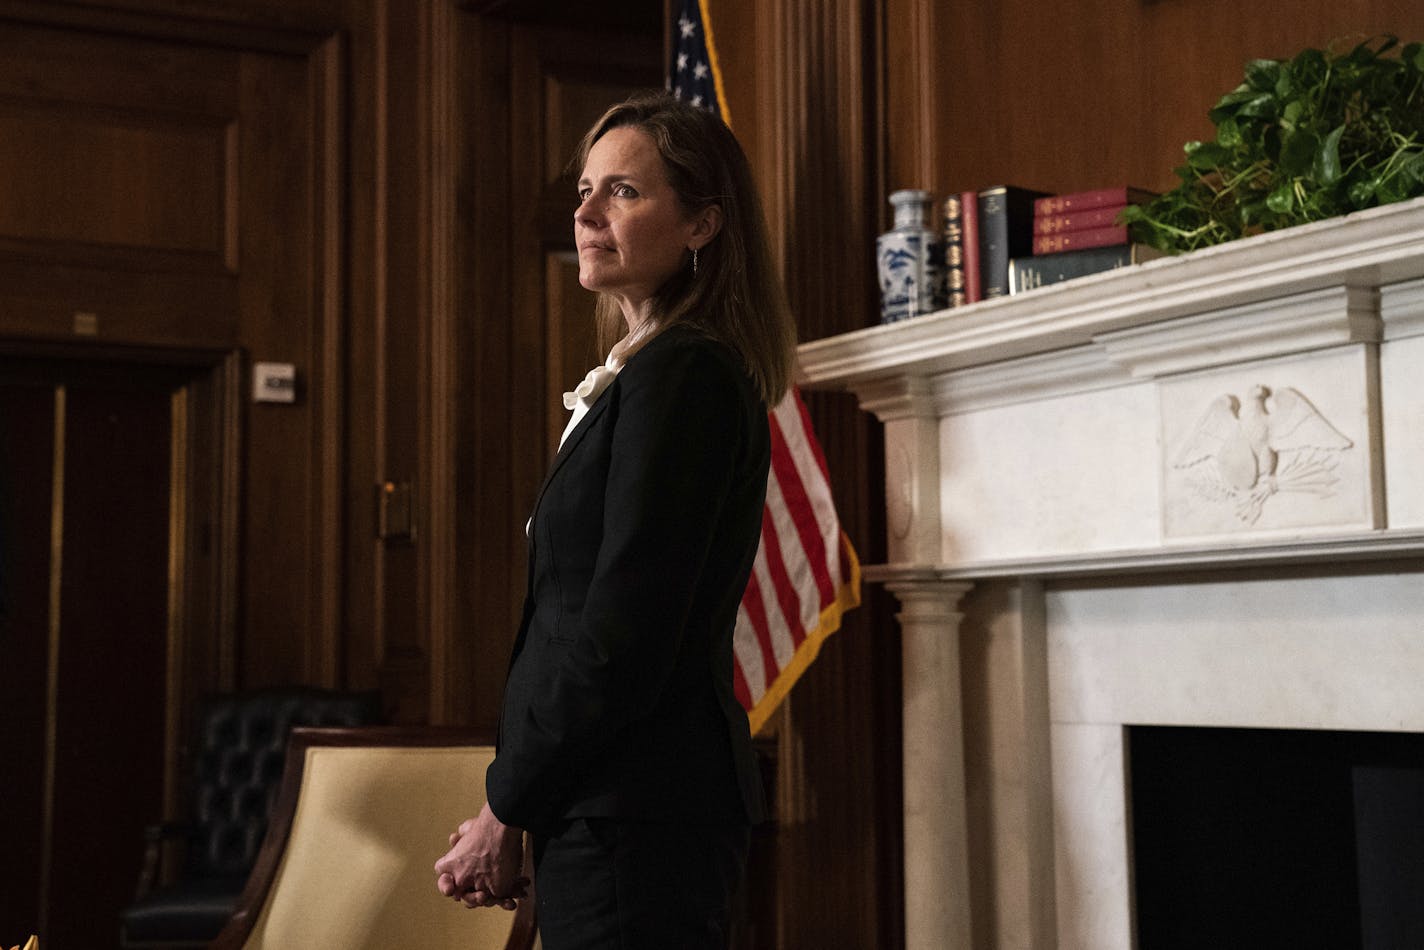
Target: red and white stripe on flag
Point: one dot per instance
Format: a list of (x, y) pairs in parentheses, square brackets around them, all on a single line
[(805, 575)]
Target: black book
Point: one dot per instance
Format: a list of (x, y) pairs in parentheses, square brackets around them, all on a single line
[(1005, 231), (1026, 273)]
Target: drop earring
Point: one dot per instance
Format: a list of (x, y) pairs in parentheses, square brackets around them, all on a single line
[(694, 260)]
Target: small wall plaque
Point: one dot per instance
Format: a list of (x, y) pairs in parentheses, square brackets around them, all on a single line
[(274, 382)]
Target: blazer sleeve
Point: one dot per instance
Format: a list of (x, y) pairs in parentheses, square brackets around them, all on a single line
[(681, 425)]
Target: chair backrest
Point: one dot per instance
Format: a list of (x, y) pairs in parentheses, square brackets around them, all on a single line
[(347, 863), (239, 748)]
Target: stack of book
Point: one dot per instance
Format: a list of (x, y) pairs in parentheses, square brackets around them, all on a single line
[(1078, 234), (981, 231)]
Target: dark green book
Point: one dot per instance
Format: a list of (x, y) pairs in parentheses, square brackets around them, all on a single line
[(1026, 273), (1005, 231)]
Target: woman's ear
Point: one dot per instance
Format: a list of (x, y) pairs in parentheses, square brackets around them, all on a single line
[(705, 225)]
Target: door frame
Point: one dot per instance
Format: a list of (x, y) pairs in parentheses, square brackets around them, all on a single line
[(204, 523)]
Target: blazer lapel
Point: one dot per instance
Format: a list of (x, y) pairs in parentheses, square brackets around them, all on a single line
[(571, 443)]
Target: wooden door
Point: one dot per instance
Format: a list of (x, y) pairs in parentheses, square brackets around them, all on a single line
[(92, 525)]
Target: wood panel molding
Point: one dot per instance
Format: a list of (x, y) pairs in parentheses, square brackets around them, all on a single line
[(440, 391), (487, 545), (911, 70), (227, 519), (294, 28), (325, 69)]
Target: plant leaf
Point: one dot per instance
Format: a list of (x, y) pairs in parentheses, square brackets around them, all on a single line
[(1326, 169), (1298, 151), (1205, 155), (1228, 133), (1261, 74), (1285, 82), (1308, 64), (1262, 104), (1252, 212), (1282, 199), (1413, 169), (1229, 103)]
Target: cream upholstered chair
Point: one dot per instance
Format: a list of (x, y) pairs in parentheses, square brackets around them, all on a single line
[(347, 862)]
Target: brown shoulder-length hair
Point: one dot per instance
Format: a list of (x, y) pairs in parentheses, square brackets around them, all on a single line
[(734, 295)]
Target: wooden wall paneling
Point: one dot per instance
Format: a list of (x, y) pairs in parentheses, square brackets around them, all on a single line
[(288, 631), (93, 164), (402, 352), (113, 188), (403, 659), (911, 97), (325, 70), (438, 390), (530, 451), (90, 300), (1081, 96), (285, 27), (1038, 87), (489, 540), (212, 466), (367, 232)]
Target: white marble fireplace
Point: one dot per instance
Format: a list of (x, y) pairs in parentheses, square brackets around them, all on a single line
[(1187, 493)]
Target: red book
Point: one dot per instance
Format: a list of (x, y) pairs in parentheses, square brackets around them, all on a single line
[(1077, 240), (1105, 217), (1083, 200), (973, 284)]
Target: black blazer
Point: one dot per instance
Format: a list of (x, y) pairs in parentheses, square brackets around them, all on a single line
[(619, 699)]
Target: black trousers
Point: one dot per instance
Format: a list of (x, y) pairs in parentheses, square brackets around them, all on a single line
[(609, 884)]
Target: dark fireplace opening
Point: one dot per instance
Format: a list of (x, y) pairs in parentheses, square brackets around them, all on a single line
[(1265, 838)]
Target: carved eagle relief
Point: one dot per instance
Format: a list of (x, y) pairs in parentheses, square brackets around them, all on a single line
[(1244, 453)]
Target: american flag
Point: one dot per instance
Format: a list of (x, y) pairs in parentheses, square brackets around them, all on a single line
[(806, 574), (693, 75)]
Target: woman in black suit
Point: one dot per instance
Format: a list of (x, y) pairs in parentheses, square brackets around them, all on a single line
[(622, 749)]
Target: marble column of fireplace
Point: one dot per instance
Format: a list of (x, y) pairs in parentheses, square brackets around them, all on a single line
[(1189, 493)]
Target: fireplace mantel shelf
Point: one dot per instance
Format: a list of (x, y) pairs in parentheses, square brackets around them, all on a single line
[(978, 479), (1370, 248)]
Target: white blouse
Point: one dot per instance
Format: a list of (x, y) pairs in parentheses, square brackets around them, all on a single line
[(586, 393)]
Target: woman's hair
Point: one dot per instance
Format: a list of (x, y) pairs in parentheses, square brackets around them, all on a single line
[(734, 295)]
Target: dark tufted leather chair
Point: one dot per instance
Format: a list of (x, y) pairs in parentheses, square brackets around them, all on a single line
[(238, 749)]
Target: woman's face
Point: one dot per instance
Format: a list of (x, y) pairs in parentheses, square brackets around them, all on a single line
[(631, 230)]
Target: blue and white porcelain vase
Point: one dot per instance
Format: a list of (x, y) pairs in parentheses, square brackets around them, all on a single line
[(909, 262)]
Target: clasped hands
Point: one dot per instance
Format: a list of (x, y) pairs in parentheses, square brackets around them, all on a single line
[(484, 865)]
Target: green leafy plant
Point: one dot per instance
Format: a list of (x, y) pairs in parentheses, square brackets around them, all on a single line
[(1299, 140)]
